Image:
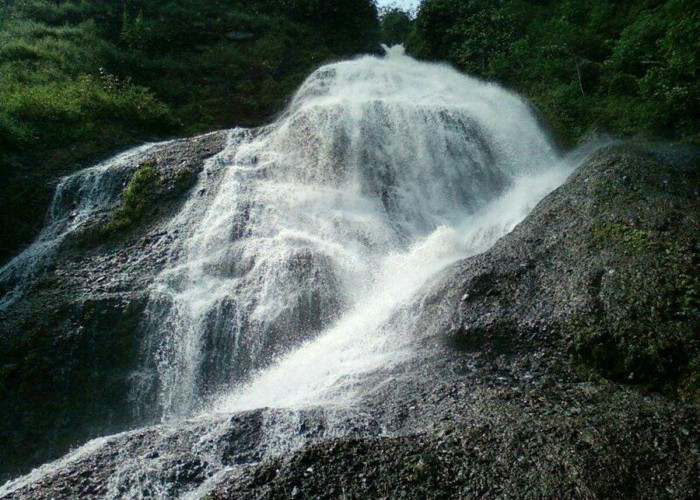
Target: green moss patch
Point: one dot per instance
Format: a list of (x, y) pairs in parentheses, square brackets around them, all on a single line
[(138, 197)]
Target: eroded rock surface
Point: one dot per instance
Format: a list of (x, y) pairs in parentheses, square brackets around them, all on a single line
[(69, 346), (562, 363), (604, 269)]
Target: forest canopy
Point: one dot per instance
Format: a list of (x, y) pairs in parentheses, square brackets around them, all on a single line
[(623, 67)]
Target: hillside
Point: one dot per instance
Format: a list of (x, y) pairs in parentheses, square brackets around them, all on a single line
[(79, 80)]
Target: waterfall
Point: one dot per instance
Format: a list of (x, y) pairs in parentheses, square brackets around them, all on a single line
[(307, 235), (302, 239), (298, 256)]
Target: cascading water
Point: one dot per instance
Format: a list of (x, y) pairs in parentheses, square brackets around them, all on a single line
[(300, 249), (380, 173), (79, 197)]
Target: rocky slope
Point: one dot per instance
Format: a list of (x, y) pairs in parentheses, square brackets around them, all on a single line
[(562, 363), (605, 269), (69, 347), (519, 398)]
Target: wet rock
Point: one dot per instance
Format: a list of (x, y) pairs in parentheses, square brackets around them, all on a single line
[(604, 282), (495, 405), (74, 336)]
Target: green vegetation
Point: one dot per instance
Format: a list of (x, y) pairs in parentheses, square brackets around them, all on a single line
[(396, 26), (622, 67), (655, 342), (626, 239), (79, 79), (136, 198)]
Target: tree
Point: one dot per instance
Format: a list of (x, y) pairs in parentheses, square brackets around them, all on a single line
[(396, 26)]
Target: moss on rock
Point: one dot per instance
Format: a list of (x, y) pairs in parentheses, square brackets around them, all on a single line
[(137, 198)]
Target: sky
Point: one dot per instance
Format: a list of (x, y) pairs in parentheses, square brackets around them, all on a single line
[(399, 3)]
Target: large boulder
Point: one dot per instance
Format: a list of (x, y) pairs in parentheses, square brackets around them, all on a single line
[(604, 270)]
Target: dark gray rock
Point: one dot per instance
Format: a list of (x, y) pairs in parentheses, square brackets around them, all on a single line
[(508, 396), (605, 269), (69, 347), (537, 442)]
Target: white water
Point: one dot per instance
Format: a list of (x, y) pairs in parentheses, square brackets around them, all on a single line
[(316, 229), (303, 239), (78, 198), (325, 370)]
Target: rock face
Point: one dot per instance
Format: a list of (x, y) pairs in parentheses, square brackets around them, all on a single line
[(69, 347), (605, 269), (520, 396), (532, 375), (529, 443)]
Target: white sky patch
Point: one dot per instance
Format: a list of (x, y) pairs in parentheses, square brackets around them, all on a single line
[(404, 4)]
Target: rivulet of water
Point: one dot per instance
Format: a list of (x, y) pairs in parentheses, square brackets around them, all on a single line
[(77, 199)]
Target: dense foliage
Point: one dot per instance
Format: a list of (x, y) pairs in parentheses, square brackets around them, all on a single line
[(81, 78), (396, 26), (626, 67)]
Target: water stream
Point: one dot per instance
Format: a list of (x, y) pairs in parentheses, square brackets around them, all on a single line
[(317, 228), (302, 239)]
